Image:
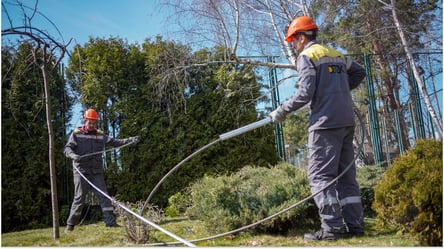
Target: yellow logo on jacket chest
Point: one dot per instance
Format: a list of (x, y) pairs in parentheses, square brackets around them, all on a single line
[(336, 69)]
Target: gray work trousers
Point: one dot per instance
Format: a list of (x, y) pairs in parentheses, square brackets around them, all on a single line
[(340, 207), (81, 188)]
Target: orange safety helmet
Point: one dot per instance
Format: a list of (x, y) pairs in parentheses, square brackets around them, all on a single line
[(91, 114), (300, 24)]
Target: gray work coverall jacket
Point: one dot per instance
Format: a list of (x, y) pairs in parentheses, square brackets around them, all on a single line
[(82, 142), (325, 78)]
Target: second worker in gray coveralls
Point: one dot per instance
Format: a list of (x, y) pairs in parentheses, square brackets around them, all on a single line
[(325, 78), (83, 141)]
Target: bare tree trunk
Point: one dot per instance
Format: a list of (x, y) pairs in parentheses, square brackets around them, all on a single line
[(52, 171), (421, 85)]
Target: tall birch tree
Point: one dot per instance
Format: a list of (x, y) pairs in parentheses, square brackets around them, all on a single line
[(407, 48)]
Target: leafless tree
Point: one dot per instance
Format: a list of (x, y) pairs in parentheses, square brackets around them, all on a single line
[(431, 110), (46, 46), (243, 27)]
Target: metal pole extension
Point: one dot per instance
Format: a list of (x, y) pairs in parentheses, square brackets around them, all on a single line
[(246, 128)]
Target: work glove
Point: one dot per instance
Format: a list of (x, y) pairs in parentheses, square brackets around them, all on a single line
[(278, 115), (134, 140)]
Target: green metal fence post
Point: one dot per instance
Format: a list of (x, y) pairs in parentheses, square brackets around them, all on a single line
[(412, 120), (387, 147), (275, 103), (417, 106), (373, 113), (398, 131)]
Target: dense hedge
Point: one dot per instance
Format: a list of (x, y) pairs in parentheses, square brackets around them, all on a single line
[(409, 194), (226, 202)]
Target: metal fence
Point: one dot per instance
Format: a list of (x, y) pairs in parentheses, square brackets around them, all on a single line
[(394, 110)]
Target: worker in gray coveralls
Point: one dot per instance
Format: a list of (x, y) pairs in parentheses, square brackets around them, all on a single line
[(325, 78), (82, 141)]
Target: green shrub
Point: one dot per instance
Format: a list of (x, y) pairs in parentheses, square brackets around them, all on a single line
[(368, 177), (410, 193), (225, 203), (177, 205)]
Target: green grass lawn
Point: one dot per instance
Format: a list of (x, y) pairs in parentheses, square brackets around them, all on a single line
[(99, 235)]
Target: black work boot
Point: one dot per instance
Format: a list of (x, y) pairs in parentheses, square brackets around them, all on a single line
[(324, 235), (109, 218), (356, 233), (355, 230)]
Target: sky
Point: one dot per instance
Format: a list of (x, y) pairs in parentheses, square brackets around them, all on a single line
[(133, 20)]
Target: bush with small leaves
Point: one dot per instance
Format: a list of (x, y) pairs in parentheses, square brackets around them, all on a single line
[(409, 194), (177, 205), (225, 203)]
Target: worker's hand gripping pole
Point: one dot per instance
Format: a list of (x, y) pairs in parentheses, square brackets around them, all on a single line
[(246, 128)]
